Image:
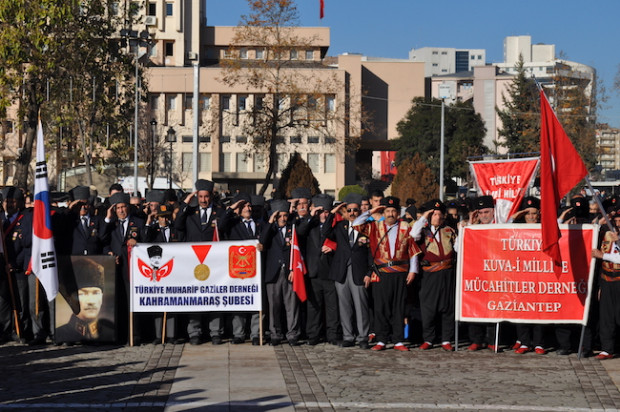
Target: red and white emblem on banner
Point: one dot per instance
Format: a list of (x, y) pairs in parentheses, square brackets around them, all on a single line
[(242, 262)]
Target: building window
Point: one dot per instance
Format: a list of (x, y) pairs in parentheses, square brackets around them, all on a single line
[(205, 162), (260, 53), (295, 139), (444, 70), (189, 101), (242, 162), (309, 55), (330, 140), (187, 138), (330, 103), (186, 161), (206, 102), (473, 57), (283, 159), (243, 53), (169, 48), (444, 53), (225, 165), (294, 54), (330, 163), (479, 57), (226, 102), (241, 102), (172, 102), (225, 139), (435, 53), (258, 102), (313, 162), (152, 9), (114, 8), (435, 64), (259, 163), (204, 139), (313, 139), (242, 139), (153, 50), (169, 9), (155, 102)]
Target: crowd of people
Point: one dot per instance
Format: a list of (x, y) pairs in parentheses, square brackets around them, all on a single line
[(380, 274)]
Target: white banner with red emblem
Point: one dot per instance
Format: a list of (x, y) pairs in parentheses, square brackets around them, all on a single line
[(506, 181), (196, 277)]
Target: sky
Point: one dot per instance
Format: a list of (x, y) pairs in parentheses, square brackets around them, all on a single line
[(586, 32)]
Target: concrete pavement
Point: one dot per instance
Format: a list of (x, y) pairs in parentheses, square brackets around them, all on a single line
[(303, 378)]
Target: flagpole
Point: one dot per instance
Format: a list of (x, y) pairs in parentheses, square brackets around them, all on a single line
[(7, 269)]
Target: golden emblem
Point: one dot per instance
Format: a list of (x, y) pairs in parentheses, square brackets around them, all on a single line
[(202, 272)]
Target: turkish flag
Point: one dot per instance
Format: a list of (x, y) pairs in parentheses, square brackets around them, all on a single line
[(298, 267), (322, 9), (216, 234), (561, 168)]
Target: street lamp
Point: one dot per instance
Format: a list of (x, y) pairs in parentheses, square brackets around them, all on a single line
[(136, 40), (153, 145), (171, 137)]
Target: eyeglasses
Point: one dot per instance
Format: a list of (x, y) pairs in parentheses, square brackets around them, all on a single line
[(353, 210)]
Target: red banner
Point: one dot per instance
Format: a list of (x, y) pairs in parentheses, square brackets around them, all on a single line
[(388, 165), (506, 181), (503, 275)]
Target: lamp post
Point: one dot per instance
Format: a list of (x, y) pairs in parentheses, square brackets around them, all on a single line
[(171, 137), (153, 145), (135, 40)]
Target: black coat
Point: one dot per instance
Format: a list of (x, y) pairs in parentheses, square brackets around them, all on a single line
[(188, 222), (233, 227), (90, 242), (276, 251), (359, 254), (317, 263)]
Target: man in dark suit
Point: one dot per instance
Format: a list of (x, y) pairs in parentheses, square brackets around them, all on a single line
[(276, 242), (88, 234), (350, 271), (238, 224), (123, 230), (199, 222), (321, 292)]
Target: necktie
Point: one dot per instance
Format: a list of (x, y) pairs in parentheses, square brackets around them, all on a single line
[(249, 225), (203, 217), (121, 227), (85, 224), (351, 237), (166, 233)]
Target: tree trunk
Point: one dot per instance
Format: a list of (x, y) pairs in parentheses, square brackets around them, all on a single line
[(25, 156), (89, 175)]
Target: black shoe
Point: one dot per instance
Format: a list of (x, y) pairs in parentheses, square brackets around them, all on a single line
[(364, 345), (563, 352), (347, 344), (275, 341), (38, 341), (293, 342), (255, 342), (176, 341), (313, 341), (335, 342), (156, 341), (195, 340), (216, 340), (238, 341)]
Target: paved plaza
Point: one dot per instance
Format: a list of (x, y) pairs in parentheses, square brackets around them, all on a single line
[(303, 378)]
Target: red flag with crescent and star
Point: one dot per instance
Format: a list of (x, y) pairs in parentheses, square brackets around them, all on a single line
[(298, 267)]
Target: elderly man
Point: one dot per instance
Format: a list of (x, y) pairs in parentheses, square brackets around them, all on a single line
[(394, 254), (88, 234), (199, 222)]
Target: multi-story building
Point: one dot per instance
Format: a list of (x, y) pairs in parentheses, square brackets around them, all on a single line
[(444, 60), (608, 142)]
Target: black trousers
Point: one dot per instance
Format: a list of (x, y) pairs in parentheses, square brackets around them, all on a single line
[(322, 304), (389, 298), (530, 335), (482, 333), (609, 315), (437, 299)]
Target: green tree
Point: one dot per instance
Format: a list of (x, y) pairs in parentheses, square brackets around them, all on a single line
[(297, 174), (415, 180), (342, 193), (61, 55), (420, 133), (292, 94), (520, 118)]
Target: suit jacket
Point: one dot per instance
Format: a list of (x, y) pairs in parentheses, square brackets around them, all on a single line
[(18, 240), (117, 243), (188, 222), (233, 227), (89, 242), (317, 263), (154, 234), (358, 255), (276, 251)]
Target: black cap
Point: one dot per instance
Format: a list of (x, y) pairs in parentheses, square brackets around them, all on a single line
[(413, 211), (355, 198), (80, 193), (88, 273), (484, 202), (117, 198), (530, 201), (257, 200), (164, 210), (280, 205), (154, 250), (323, 200), (12, 192), (203, 184), (242, 196), (155, 196), (391, 201), (435, 204), (301, 192)]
